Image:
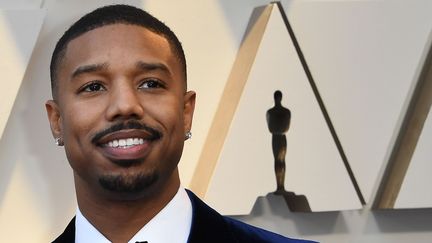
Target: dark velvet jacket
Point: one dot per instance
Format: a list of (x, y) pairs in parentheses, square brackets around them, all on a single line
[(209, 226)]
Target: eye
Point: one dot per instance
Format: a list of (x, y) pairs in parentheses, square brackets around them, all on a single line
[(151, 84), (93, 87)]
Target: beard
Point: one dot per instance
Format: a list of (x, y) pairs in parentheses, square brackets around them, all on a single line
[(129, 184)]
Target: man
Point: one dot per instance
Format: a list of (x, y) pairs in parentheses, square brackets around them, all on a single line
[(122, 111)]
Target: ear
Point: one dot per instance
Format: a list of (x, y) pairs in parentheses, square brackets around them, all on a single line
[(189, 107), (54, 118)]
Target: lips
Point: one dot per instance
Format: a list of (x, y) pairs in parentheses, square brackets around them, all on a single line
[(126, 145)]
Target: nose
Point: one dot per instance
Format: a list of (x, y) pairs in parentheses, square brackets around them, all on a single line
[(124, 102)]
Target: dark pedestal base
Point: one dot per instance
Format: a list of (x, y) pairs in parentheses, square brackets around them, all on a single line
[(296, 203)]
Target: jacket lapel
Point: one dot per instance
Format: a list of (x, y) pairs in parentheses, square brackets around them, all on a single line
[(207, 224), (68, 236)]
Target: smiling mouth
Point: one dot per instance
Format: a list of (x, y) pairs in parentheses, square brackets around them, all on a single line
[(127, 130), (125, 142), (127, 147)]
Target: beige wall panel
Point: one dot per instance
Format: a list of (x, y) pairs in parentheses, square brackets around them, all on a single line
[(414, 192), (21, 186), (21, 205)]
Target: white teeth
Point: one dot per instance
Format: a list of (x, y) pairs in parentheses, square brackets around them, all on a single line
[(123, 143)]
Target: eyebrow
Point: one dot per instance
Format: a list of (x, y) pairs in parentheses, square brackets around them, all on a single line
[(146, 66), (89, 69)]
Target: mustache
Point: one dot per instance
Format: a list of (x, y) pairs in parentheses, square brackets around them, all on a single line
[(132, 124)]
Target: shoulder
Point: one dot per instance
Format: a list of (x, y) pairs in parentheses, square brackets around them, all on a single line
[(248, 233), (209, 226)]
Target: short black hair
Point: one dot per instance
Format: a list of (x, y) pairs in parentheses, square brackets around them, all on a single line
[(108, 15)]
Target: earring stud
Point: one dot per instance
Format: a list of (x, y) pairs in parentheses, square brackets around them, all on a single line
[(188, 135), (59, 141)]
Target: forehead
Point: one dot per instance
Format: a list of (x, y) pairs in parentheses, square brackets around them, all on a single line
[(117, 44)]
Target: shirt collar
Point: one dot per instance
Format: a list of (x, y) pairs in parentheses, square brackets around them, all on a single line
[(171, 224)]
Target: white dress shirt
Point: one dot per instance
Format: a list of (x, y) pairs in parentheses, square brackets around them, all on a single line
[(171, 224)]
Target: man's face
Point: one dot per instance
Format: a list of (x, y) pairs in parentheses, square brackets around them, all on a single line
[(122, 110)]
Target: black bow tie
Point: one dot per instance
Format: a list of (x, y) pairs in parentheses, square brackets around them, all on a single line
[(141, 242)]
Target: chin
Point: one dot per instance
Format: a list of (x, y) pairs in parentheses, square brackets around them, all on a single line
[(136, 184)]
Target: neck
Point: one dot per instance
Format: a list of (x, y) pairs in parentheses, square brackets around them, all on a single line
[(119, 220)]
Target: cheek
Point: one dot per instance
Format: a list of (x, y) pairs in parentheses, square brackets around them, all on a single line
[(170, 113), (79, 125), (79, 119)]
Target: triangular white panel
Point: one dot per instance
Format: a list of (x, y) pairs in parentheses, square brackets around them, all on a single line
[(314, 167), (365, 57), (19, 31)]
